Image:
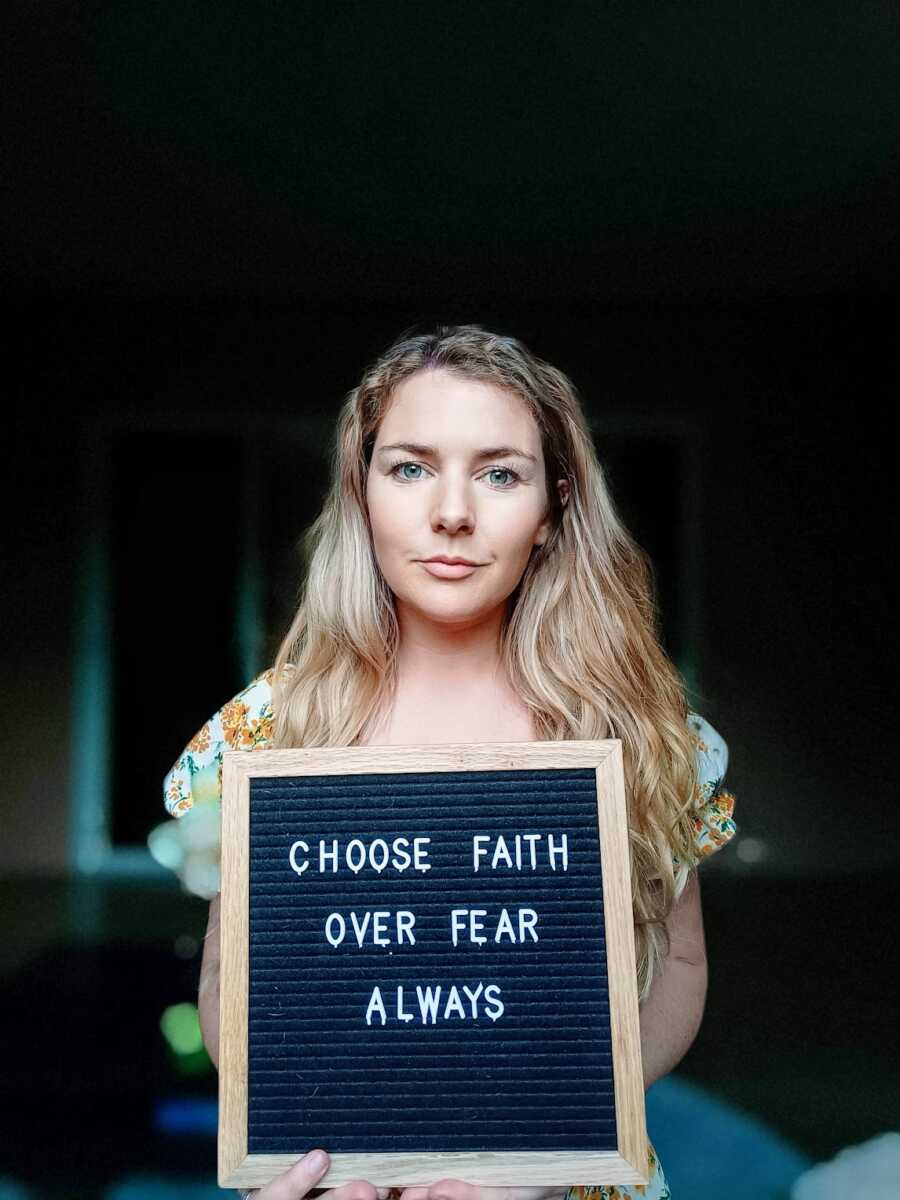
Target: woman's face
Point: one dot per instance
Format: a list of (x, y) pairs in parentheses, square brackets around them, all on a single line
[(457, 470)]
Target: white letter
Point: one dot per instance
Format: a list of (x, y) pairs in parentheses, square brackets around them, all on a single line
[(379, 928), (531, 839), (473, 998), (293, 858), (332, 854), (403, 1016), (376, 1005), (477, 850), (405, 859), (489, 999), (500, 849), (428, 1003), (335, 941), (454, 1002), (405, 922), (563, 850), (360, 930), (475, 924), (362, 856), (504, 925), (378, 842), (420, 854), (527, 920), (455, 923), (518, 852)]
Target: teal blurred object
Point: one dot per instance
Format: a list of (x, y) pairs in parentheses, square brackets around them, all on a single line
[(165, 1187), (11, 1190), (710, 1150)]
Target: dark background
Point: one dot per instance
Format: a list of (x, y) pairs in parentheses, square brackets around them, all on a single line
[(214, 216)]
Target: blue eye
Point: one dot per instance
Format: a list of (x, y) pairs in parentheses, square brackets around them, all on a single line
[(400, 467), (399, 470), (504, 471)]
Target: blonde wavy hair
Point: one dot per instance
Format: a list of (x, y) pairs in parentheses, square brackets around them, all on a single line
[(579, 639)]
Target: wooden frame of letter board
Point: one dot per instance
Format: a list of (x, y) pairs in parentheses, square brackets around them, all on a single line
[(238, 1168)]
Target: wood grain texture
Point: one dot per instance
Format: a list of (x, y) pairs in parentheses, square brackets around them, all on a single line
[(451, 756), (235, 968), (237, 1168), (514, 1168), (620, 959)]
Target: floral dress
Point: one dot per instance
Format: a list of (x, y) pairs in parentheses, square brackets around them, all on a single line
[(194, 787)]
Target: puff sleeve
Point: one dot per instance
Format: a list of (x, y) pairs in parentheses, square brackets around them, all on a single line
[(713, 809), (244, 723), (192, 789)]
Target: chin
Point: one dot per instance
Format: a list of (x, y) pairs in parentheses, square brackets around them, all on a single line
[(449, 612), (454, 610)]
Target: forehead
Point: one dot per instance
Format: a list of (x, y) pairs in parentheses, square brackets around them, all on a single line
[(436, 404)]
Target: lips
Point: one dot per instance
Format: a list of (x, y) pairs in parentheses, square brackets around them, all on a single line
[(442, 568), (452, 562)]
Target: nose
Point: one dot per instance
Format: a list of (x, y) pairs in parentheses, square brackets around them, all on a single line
[(453, 511)]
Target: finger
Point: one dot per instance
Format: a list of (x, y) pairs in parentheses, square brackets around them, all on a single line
[(319, 1193), (520, 1193), (298, 1179), (454, 1189), (356, 1189), (444, 1189)]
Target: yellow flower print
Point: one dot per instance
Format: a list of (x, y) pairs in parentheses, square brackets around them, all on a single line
[(725, 804), (256, 733), (233, 715), (200, 741)]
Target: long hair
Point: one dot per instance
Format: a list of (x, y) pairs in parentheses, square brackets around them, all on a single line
[(580, 636)]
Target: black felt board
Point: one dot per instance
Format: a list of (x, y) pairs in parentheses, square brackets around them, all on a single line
[(539, 1077)]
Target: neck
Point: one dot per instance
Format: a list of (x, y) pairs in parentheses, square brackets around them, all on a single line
[(471, 650)]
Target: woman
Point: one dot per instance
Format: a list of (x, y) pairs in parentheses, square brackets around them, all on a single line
[(470, 581)]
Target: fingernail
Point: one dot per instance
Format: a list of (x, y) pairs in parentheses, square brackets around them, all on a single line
[(316, 1160)]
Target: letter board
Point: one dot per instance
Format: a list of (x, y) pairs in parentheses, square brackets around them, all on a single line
[(428, 965)]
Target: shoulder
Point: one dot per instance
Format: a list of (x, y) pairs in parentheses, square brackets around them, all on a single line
[(713, 806), (245, 722), (710, 748), (246, 719)]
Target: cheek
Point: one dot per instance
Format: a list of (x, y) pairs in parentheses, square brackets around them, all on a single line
[(389, 521), (515, 530)]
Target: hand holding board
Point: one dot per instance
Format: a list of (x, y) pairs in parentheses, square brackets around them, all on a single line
[(428, 965)]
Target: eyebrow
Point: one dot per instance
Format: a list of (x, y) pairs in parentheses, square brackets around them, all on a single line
[(489, 452)]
